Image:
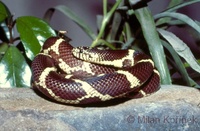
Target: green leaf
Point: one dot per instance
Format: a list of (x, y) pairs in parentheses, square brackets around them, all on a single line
[(105, 21), (181, 48), (102, 41), (194, 84), (179, 64), (4, 32), (14, 70), (3, 49), (173, 3), (173, 6), (4, 12), (154, 43), (33, 32), (128, 43), (177, 4), (99, 21), (181, 17), (69, 13), (116, 23)]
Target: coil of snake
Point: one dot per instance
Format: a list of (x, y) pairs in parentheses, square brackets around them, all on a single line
[(85, 75)]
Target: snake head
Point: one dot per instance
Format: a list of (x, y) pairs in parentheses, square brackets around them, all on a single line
[(86, 54)]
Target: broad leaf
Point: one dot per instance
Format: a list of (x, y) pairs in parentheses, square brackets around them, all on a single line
[(4, 31), (33, 32), (181, 48), (3, 49), (14, 70), (4, 12)]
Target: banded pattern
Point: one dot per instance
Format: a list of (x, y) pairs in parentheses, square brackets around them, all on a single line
[(82, 75)]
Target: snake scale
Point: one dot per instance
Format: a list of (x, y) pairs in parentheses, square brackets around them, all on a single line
[(82, 75)]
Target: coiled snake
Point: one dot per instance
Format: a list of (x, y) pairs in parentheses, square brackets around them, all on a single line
[(83, 75)]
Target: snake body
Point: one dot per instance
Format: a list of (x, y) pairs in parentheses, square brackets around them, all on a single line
[(85, 75)]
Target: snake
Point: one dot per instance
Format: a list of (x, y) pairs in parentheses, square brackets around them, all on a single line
[(84, 75)]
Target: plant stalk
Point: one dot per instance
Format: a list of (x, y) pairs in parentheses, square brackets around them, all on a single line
[(106, 19)]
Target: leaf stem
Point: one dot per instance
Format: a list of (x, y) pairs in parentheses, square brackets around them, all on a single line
[(104, 7), (106, 19)]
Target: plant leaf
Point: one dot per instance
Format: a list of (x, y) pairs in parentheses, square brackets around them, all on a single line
[(105, 21), (14, 70), (33, 32), (175, 4), (99, 21), (181, 17), (116, 26), (154, 43), (181, 48), (3, 49), (4, 32), (4, 12), (179, 64), (69, 13)]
